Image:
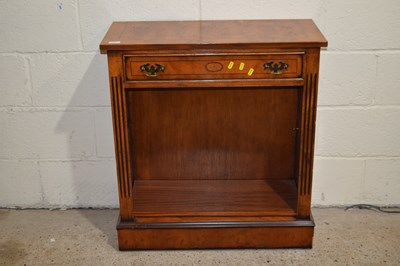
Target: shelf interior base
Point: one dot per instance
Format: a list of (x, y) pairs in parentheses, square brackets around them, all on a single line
[(214, 198)]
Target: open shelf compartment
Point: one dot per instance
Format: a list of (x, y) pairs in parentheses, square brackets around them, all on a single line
[(202, 200)]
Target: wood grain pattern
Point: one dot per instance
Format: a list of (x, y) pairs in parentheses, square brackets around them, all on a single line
[(198, 66), (212, 35), (146, 220), (124, 188), (213, 134), (210, 83), (258, 237), (307, 134), (215, 198), (121, 142)]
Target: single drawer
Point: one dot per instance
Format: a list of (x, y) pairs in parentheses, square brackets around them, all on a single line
[(178, 67)]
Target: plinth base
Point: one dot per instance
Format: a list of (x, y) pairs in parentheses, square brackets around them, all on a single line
[(213, 235)]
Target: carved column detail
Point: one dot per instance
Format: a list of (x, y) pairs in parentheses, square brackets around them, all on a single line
[(308, 113), (307, 136), (308, 123), (121, 140), (121, 149)]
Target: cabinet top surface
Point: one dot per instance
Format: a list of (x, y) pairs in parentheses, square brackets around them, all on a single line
[(289, 33)]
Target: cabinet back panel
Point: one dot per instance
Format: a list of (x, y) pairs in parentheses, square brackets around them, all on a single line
[(246, 133)]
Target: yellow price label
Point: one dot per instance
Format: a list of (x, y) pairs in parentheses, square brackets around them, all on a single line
[(251, 70)]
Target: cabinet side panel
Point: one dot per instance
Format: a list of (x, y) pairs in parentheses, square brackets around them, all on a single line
[(121, 141), (307, 132)]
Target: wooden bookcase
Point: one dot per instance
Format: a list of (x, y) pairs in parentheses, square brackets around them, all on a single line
[(214, 125)]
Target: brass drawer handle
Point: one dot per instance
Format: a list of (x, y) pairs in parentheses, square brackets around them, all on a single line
[(152, 70), (276, 68)]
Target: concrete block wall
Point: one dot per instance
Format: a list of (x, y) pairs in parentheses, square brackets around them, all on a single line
[(56, 145)]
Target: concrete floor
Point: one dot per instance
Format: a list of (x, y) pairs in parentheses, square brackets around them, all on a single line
[(88, 237)]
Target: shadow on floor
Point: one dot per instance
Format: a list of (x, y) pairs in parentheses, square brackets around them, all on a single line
[(105, 221)]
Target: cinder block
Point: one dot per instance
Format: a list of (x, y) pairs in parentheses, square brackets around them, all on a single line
[(20, 184), (104, 133), (70, 80), (359, 132), (388, 79), (337, 181), (80, 183), (14, 83), (33, 26), (370, 25), (382, 181), (96, 16), (46, 134), (263, 9), (347, 79)]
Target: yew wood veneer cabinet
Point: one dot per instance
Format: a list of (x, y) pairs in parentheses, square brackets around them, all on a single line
[(214, 125)]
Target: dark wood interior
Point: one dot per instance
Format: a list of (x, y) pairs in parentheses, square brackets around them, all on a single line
[(240, 133), (215, 198)]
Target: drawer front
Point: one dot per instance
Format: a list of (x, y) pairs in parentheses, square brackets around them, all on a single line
[(177, 67)]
